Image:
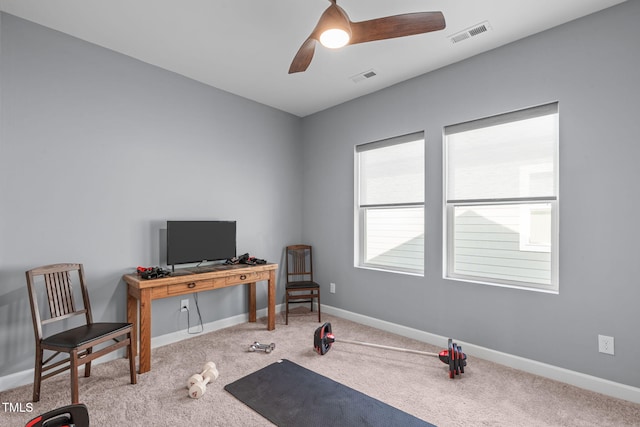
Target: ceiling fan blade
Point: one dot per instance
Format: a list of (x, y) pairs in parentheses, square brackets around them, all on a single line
[(332, 15), (391, 27), (304, 56)]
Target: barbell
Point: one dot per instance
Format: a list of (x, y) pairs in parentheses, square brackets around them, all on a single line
[(453, 356)]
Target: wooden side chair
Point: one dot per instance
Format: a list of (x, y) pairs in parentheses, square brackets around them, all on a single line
[(300, 287), (77, 342)]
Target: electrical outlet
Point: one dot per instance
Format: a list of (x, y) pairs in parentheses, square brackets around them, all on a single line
[(332, 288), (184, 305), (605, 344)]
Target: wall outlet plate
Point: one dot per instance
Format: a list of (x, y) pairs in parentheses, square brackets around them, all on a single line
[(605, 344), (332, 288), (184, 305)]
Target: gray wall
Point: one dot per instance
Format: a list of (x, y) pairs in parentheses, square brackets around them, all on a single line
[(98, 150), (591, 67)]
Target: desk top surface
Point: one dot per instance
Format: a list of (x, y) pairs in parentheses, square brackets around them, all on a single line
[(197, 273)]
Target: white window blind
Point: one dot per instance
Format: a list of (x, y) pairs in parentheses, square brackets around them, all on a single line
[(502, 199), (390, 204)]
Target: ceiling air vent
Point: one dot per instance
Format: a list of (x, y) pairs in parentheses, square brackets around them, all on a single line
[(363, 76), (476, 30)]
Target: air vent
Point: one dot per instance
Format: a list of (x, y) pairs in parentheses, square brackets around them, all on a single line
[(363, 76), (476, 30)]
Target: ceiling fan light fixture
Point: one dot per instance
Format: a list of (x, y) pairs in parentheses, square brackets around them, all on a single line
[(334, 38), (335, 30)]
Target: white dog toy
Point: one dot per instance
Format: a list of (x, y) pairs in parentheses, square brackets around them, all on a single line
[(197, 383)]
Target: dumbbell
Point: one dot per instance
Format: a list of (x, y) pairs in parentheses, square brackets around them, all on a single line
[(198, 388)]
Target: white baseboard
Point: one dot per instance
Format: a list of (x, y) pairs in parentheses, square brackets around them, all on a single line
[(588, 382), (172, 337)]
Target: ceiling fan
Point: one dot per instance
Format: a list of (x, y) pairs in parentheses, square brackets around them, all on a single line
[(335, 30)]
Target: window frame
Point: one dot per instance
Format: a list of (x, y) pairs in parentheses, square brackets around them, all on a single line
[(361, 209), (449, 205)]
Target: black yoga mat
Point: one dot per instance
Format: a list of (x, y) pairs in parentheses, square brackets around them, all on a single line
[(289, 395)]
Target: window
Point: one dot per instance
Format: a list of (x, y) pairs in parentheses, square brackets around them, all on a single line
[(390, 204), (501, 199)]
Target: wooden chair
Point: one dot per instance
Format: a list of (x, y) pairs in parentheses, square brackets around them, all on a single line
[(300, 287), (78, 342)]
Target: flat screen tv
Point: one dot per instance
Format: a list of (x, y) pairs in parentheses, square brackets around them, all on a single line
[(200, 241)]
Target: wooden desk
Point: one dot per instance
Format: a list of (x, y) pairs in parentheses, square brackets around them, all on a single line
[(141, 292)]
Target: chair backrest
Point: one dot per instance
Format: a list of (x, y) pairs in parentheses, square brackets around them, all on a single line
[(299, 263), (58, 280)]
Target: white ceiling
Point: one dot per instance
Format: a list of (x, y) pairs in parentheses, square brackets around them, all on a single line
[(246, 46)]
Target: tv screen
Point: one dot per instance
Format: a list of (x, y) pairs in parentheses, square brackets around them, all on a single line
[(198, 241)]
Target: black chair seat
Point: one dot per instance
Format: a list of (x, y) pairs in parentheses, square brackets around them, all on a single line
[(304, 285), (84, 334)]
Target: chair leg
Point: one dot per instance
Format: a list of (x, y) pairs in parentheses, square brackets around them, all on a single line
[(132, 360), (37, 375), (318, 305), (286, 316), (87, 366), (73, 362)]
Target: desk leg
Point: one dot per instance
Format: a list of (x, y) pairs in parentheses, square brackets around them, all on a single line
[(132, 317), (252, 302), (271, 304), (145, 331)]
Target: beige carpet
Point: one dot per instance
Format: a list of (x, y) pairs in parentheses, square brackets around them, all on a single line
[(487, 394)]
